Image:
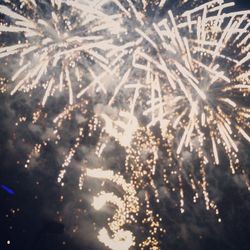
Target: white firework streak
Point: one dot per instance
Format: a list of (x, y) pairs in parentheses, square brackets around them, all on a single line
[(127, 15), (61, 45)]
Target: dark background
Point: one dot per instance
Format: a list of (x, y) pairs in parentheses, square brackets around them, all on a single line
[(34, 217)]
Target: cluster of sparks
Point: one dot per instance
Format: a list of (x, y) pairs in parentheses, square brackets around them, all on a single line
[(185, 73), (126, 208)]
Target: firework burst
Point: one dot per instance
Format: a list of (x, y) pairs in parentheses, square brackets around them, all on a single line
[(204, 66), (56, 45), (184, 73), (189, 74)]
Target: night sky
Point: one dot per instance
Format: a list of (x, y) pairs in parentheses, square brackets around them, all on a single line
[(36, 218)]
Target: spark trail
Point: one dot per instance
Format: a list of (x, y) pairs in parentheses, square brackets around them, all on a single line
[(127, 209)]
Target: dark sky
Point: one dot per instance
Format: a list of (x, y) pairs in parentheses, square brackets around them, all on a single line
[(31, 218)]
